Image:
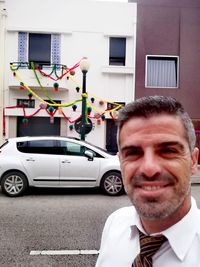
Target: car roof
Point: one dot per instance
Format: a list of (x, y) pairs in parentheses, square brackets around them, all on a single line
[(76, 140), (26, 138)]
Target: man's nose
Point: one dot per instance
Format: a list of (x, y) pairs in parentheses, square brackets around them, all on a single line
[(150, 165)]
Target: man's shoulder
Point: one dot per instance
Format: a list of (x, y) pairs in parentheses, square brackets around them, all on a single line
[(119, 222), (125, 211), (125, 214)]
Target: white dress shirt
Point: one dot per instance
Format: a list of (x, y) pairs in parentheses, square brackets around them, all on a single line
[(120, 240)]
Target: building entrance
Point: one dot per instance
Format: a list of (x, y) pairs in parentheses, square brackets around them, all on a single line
[(38, 126)]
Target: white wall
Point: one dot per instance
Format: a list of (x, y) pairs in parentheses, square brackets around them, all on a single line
[(85, 28)]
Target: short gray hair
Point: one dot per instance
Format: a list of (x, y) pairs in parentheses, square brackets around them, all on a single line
[(155, 105)]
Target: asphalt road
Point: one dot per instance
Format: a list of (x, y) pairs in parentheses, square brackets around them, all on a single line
[(53, 221)]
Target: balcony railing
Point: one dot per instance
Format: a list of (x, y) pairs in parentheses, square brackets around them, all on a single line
[(40, 65), (49, 74)]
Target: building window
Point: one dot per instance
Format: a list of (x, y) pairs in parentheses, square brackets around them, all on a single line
[(43, 49), (27, 103), (117, 51), (161, 71), (39, 50)]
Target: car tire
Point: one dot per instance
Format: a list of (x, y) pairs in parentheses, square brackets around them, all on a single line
[(111, 183), (14, 184)]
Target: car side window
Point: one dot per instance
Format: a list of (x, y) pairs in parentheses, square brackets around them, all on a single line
[(72, 149), (39, 147), (54, 147), (22, 147)]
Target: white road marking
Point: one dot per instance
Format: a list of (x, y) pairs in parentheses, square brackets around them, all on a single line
[(64, 252)]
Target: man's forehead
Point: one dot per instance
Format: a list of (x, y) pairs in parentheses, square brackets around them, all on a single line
[(162, 120), (157, 116), (165, 127)]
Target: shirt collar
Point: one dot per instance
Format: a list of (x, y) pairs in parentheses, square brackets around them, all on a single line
[(182, 234), (179, 242)]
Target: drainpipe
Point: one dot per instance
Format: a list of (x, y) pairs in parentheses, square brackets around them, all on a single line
[(3, 15)]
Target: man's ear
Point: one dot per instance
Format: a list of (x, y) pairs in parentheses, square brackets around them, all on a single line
[(195, 156)]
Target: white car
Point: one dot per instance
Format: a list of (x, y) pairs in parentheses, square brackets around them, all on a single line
[(57, 162)]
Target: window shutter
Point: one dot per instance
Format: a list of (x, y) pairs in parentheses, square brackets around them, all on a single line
[(22, 46), (55, 48)]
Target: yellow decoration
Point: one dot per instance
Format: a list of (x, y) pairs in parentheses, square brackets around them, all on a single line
[(42, 100)]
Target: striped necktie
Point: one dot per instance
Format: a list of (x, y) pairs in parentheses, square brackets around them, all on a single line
[(149, 245)]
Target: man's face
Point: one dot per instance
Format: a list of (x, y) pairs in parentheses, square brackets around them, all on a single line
[(156, 165)]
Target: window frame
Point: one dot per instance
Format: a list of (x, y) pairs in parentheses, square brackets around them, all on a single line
[(55, 47), (162, 57), (47, 38), (113, 60)]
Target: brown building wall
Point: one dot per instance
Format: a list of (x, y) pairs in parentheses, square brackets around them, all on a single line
[(169, 27)]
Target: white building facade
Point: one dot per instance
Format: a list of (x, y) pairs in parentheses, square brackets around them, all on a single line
[(41, 90)]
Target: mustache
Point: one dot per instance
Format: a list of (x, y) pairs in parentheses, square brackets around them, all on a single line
[(166, 178)]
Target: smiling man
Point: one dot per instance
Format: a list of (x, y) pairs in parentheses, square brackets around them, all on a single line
[(156, 141)]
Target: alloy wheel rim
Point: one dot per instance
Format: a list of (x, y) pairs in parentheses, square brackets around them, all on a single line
[(113, 184), (13, 184)]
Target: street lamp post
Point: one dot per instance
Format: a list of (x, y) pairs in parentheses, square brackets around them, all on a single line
[(84, 66)]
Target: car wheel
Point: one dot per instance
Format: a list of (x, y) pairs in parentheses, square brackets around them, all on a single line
[(14, 184), (112, 184)]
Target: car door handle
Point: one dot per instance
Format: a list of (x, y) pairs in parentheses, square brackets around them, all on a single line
[(66, 161), (30, 159)]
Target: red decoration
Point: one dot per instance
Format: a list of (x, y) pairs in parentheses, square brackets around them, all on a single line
[(51, 110), (56, 85), (21, 86), (72, 72), (25, 122), (60, 77), (51, 119), (71, 127), (97, 116), (101, 102)]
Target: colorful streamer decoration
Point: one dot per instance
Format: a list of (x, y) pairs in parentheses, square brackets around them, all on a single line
[(51, 107)]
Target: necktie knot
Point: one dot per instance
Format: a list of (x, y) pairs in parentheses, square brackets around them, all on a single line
[(149, 245)]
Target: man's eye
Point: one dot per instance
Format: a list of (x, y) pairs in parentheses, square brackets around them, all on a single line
[(168, 150), (132, 152)]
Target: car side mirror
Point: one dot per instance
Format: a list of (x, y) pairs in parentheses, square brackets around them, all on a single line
[(89, 154)]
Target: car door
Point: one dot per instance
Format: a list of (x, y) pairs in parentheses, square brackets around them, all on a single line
[(75, 168), (40, 159)]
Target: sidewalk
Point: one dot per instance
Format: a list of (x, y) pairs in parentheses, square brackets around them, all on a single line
[(196, 178)]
